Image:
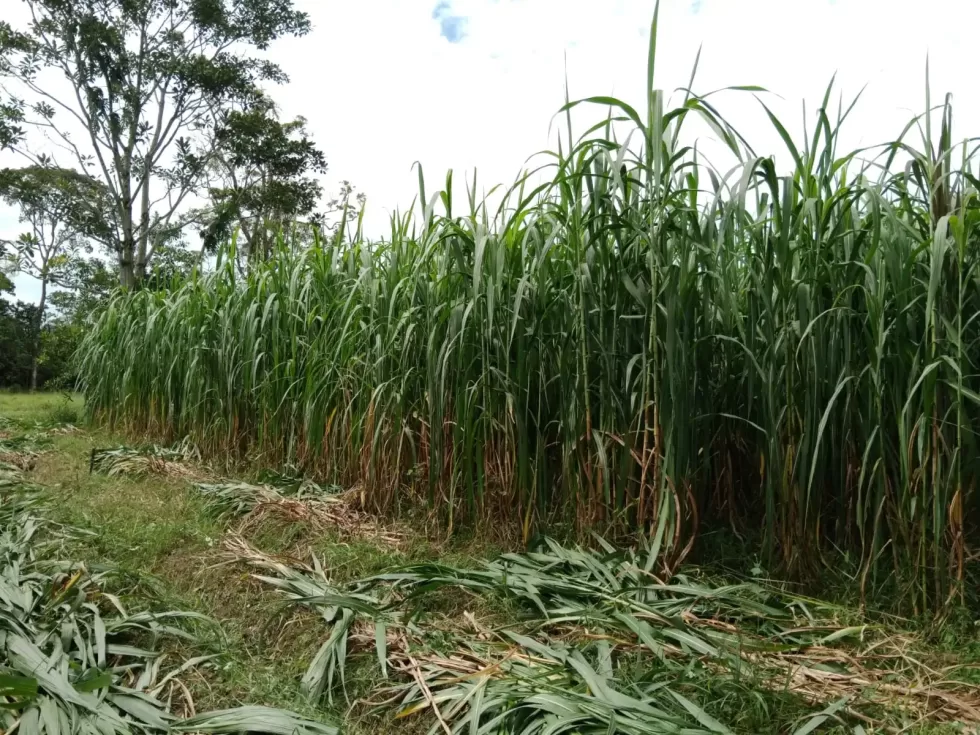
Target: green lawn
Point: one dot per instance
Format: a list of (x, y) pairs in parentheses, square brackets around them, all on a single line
[(40, 406)]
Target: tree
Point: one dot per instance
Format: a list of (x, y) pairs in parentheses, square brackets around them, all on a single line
[(90, 285), (63, 209), (18, 332), (143, 78), (172, 267), (17, 324), (344, 209), (6, 285), (261, 178)]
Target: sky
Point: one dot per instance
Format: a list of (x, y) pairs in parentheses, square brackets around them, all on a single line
[(474, 84)]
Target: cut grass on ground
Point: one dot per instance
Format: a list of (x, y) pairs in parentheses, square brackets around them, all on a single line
[(161, 534), (155, 529)]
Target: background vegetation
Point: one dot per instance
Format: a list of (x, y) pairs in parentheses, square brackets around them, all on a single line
[(137, 126), (774, 363), (38, 349)]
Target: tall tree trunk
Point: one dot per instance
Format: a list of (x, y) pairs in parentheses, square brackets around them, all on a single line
[(127, 274), (37, 332), (143, 250), (127, 249)]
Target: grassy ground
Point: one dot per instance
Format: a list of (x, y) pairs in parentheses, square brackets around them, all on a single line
[(156, 531), (28, 407)]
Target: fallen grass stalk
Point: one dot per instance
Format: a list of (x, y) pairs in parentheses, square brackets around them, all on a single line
[(597, 641), (21, 450), (180, 461), (74, 659), (322, 509)]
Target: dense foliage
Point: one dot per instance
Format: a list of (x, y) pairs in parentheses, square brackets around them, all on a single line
[(86, 285), (641, 342), (53, 337), (261, 179), (60, 209), (18, 331)]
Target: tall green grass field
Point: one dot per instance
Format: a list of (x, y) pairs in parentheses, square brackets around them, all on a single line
[(639, 343)]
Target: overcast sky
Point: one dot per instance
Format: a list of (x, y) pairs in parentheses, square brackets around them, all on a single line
[(467, 84)]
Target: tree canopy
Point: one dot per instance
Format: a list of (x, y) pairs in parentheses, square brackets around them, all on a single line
[(70, 201), (262, 177), (141, 81)]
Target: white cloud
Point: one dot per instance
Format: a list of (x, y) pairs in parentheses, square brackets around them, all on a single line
[(382, 86)]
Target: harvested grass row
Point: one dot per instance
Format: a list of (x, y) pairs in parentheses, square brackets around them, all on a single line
[(601, 644), (338, 512)]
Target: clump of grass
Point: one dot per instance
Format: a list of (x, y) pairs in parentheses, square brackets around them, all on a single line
[(65, 413), (299, 503), (171, 461), (21, 450), (641, 343)]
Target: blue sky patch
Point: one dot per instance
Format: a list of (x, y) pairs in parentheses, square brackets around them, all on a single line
[(452, 27)]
